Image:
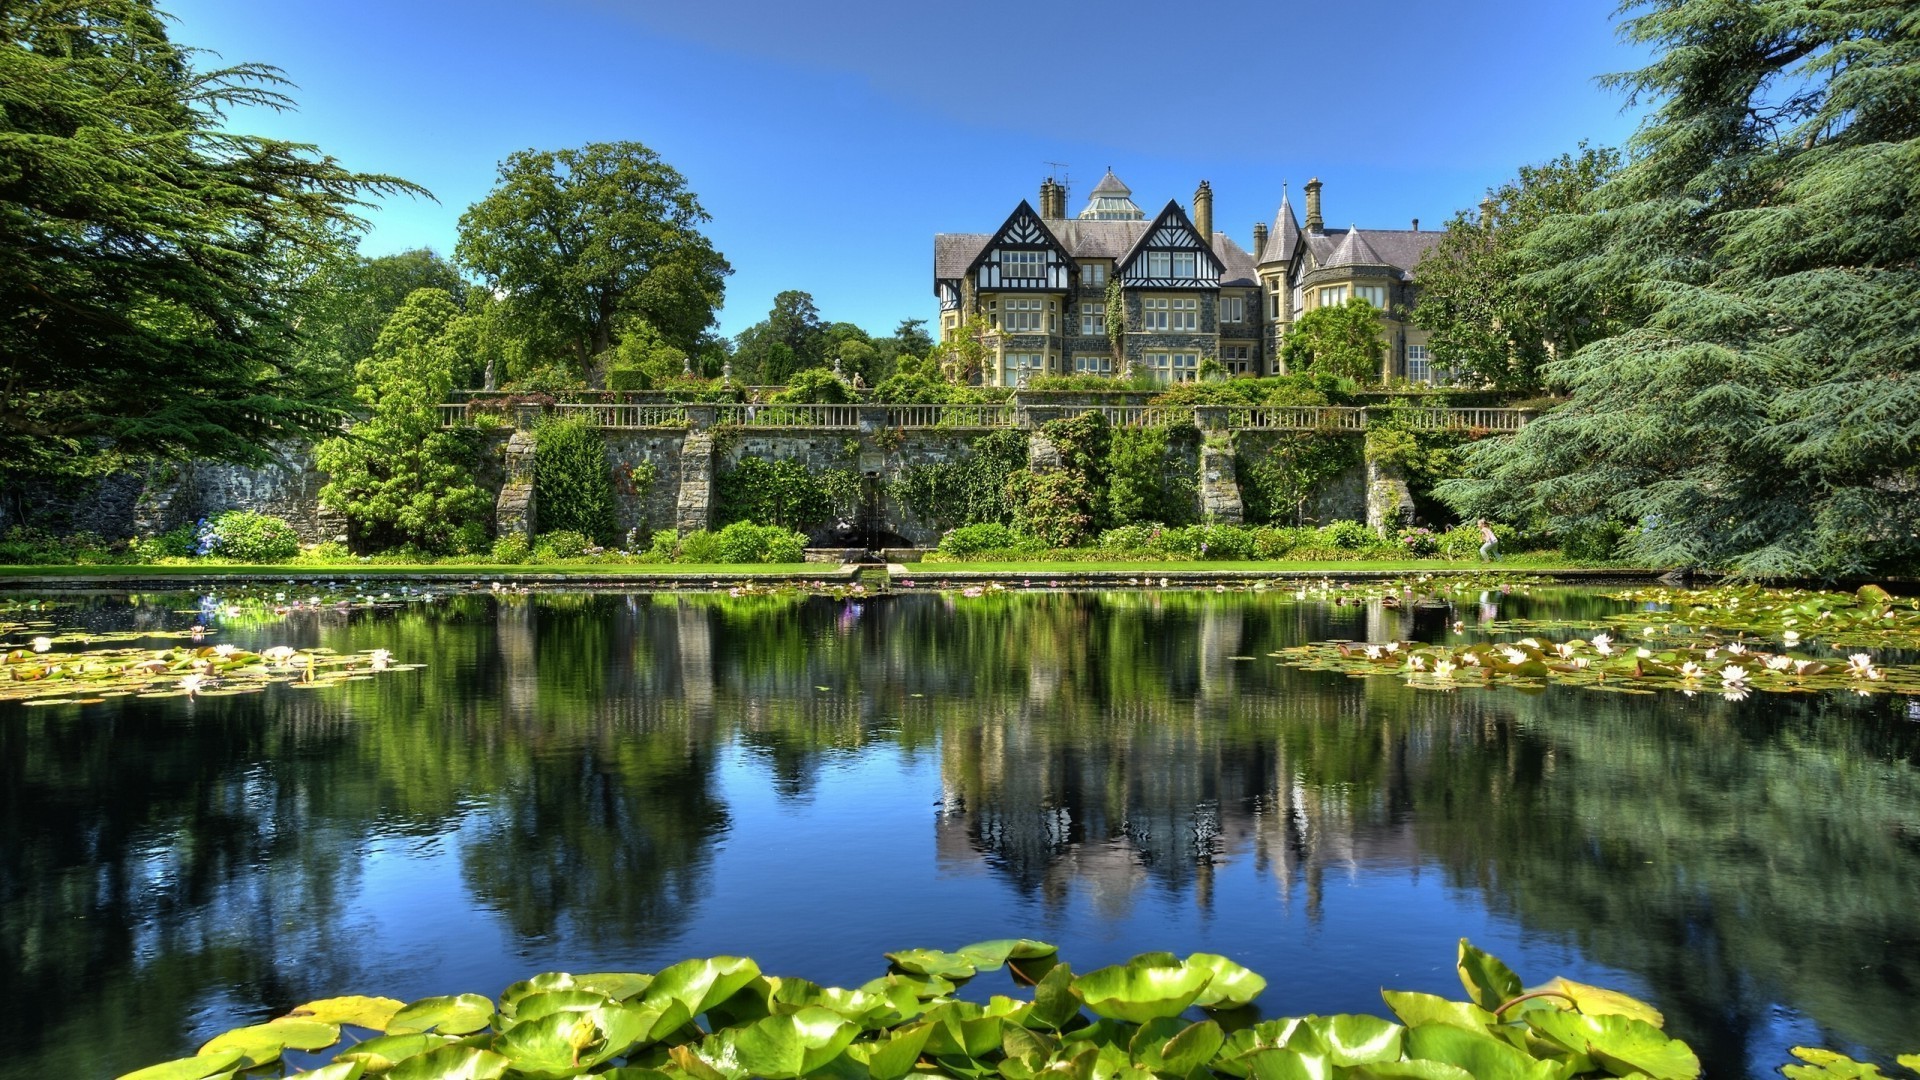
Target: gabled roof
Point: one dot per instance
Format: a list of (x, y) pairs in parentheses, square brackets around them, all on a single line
[(1284, 241), (954, 252), (1172, 215), (1236, 262), (1401, 249), (1355, 251), (1024, 227)]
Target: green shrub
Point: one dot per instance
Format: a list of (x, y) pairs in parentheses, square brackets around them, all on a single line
[(784, 493), (560, 544), (969, 540), (511, 548), (175, 543), (1149, 477), (698, 546), (1463, 540), (969, 491), (251, 537), (472, 538), (572, 483), (745, 542), (814, 386), (1349, 536), (1280, 542), (1594, 543), (1053, 507), (629, 378), (332, 551)]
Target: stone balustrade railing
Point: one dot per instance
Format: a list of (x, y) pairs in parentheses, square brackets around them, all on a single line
[(1320, 418)]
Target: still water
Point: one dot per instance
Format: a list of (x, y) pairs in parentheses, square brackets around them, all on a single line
[(610, 781)]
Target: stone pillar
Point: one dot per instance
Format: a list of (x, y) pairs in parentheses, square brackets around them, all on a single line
[(154, 511), (1389, 500), (693, 509), (1219, 482), (514, 512)]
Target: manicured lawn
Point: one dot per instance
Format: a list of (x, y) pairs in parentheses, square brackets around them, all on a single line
[(380, 569), (1518, 563)]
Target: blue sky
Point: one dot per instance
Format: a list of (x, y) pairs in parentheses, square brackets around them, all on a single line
[(831, 140)]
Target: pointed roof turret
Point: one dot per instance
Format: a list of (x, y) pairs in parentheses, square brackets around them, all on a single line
[(1284, 240), (1355, 251), (1112, 201)]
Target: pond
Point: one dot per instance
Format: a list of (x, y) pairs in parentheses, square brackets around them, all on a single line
[(618, 781)]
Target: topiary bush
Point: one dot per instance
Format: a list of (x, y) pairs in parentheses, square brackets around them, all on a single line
[(251, 537), (572, 483)]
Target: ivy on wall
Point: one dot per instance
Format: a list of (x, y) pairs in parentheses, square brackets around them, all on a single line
[(1151, 476), (785, 493), (970, 491), (572, 484), (1279, 473)]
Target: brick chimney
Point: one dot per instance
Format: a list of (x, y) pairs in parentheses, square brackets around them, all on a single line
[(1046, 197), (1259, 238), (1203, 212), (1314, 222), (1416, 224)]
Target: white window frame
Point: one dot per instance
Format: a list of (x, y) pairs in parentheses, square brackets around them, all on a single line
[(1186, 265), (1023, 266), (1419, 364), (1093, 275), (1093, 319), (1332, 295), (1023, 316), (1159, 264), (1092, 364), (1372, 294), (1173, 365), (1233, 309)]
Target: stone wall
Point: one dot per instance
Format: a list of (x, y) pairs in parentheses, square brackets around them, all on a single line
[(640, 506)]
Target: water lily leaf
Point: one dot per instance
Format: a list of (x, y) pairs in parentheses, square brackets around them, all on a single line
[(961, 1030), (987, 955), (946, 965), (1484, 1056), (262, 1043), (1288, 1065), (366, 1012), (455, 1015), (1138, 992), (339, 1070), (618, 985), (1911, 1061), (784, 1047), (535, 1006), (1356, 1040), (1269, 1035), (451, 1063), (635, 1072), (1231, 987), (1030, 1048), (567, 1043), (702, 984), (198, 1067), (924, 987), (697, 1065), (1054, 1002), (1189, 1048), (893, 1056), (1622, 1044), (1415, 1009), (751, 1002), (1489, 982), (1409, 1070), (1596, 1001), (385, 1051)]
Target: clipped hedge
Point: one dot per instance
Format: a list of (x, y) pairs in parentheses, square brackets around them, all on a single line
[(723, 1018)]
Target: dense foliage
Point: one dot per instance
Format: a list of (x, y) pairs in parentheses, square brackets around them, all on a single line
[(971, 490), (1765, 415), (397, 475), (784, 492), (1492, 324), (584, 246), (572, 481), (251, 537), (155, 262), (1344, 341)]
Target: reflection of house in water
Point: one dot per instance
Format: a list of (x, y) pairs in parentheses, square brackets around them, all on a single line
[(1171, 790)]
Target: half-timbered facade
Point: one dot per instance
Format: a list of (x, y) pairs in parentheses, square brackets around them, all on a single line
[(1037, 288)]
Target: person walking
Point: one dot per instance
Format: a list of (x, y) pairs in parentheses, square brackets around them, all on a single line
[(1490, 544)]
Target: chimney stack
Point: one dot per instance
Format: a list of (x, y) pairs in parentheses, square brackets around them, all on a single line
[(1259, 239), (1416, 224), (1046, 197), (1487, 206), (1314, 222), (1203, 212)]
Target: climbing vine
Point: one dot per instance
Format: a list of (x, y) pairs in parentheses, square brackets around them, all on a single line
[(785, 493), (970, 491), (1279, 473), (1151, 476)]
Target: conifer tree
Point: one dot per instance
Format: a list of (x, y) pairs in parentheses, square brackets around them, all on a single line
[(1765, 415)]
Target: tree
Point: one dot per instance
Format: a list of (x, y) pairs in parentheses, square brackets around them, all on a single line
[(1343, 341), (353, 299), (584, 243), (152, 264), (789, 339), (399, 477), (1764, 415), (1489, 321), (912, 339)]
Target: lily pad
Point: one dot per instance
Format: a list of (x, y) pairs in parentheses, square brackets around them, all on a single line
[(198, 1067), (452, 1063), (567, 1042), (702, 984), (1138, 992), (454, 1015), (1623, 1044), (789, 1046), (339, 1070), (366, 1012), (1488, 982), (386, 1051), (1232, 985), (1415, 1009)]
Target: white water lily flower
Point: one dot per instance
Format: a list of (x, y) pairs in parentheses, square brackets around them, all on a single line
[(1443, 669), (1735, 692), (1373, 652), (1530, 643), (381, 658), (42, 644), (224, 650), (1643, 653), (1646, 631), (1417, 662), (1859, 664), (1779, 663), (279, 654), (1471, 659), (1736, 649), (1458, 626), (1691, 670), (1711, 653), (1513, 655), (1733, 674), (1393, 647), (1791, 638), (1565, 648), (192, 683), (1800, 666), (1603, 644), (1581, 661)]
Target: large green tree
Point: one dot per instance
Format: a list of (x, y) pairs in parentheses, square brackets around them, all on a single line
[(1344, 341), (791, 338), (1492, 324), (397, 476), (581, 244), (1765, 415), (152, 263), (354, 298)]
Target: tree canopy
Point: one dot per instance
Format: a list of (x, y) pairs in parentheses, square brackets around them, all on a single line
[(1343, 341), (1490, 322), (583, 245), (1765, 414), (152, 264)]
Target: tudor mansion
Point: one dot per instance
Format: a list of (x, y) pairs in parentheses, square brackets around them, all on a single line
[(1040, 286)]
